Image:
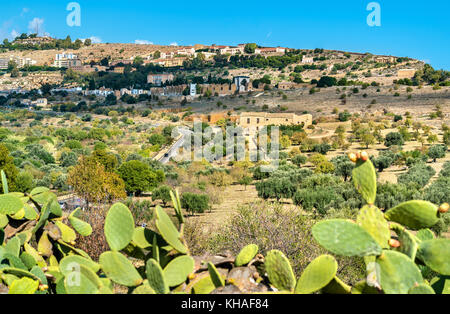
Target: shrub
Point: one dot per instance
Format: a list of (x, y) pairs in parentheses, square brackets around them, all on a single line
[(161, 193), (271, 227), (394, 138), (139, 177), (195, 203), (419, 174), (437, 151)]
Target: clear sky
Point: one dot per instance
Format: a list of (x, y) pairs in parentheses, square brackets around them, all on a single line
[(413, 28)]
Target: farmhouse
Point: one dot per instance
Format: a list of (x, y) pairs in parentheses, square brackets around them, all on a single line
[(260, 119), (159, 79)]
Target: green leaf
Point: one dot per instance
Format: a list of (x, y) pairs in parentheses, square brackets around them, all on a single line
[(82, 280), (279, 271), (80, 226), (372, 220), (436, 255), (24, 286), (414, 215), (365, 180), (397, 272), (69, 263), (317, 275), (119, 269), (246, 255), (216, 278), (10, 204), (343, 237), (168, 230), (155, 277), (177, 271), (4, 183), (119, 227), (425, 234), (3, 221), (421, 289)]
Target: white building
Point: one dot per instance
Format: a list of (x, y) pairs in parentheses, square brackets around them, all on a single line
[(307, 60), (193, 90), (70, 56)]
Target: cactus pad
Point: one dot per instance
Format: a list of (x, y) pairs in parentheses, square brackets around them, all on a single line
[(317, 275), (246, 255), (365, 180), (119, 227), (343, 237), (421, 289), (279, 271), (119, 269), (79, 225), (425, 234), (414, 215), (372, 220), (69, 262), (177, 271), (436, 255), (24, 286), (408, 243), (144, 289), (397, 272), (82, 281), (10, 204), (155, 277), (168, 231), (216, 279)]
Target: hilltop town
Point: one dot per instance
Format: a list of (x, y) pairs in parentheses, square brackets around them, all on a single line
[(161, 154)]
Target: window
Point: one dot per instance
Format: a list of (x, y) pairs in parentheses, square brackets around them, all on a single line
[(248, 121), (257, 121)]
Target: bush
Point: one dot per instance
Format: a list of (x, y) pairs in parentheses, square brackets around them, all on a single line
[(275, 188), (139, 177), (344, 116), (270, 226), (437, 151), (419, 174), (299, 160), (194, 203), (162, 193), (394, 138)]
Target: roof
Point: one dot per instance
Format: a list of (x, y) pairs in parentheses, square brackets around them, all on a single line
[(268, 115)]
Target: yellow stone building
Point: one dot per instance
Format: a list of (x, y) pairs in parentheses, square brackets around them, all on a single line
[(260, 119)]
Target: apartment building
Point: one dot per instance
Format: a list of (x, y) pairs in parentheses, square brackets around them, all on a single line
[(159, 78), (220, 89), (21, 62)]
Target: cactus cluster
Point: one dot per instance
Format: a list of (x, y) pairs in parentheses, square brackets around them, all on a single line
[(37, 252)]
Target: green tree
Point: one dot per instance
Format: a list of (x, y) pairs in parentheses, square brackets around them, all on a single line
[(394, 138), (195, 203), (92, 183), (7, 165), (437, 151), (250, 48), (139, 177), (24, 182), (162, 193)]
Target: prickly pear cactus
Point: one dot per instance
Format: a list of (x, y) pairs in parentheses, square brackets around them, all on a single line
[(279, 271), (246, 255), (346, 238), (317, 275)]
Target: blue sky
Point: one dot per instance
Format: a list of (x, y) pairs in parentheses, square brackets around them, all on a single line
[(413, 28)]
